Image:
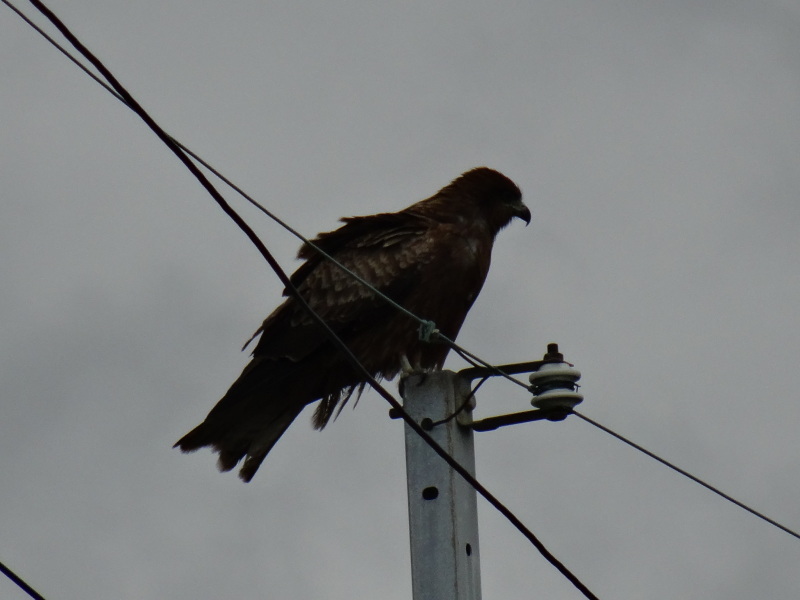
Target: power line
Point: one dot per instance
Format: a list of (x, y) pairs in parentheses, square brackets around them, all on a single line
[(686, 474), (468, 356), (465, 354), (729, 498), (182, 156), (427, 328), (20, 582)]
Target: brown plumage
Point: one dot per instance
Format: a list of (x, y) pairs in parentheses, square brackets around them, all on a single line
[(432, 258)]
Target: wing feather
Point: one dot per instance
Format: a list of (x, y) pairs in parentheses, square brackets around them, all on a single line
[(388, 251)]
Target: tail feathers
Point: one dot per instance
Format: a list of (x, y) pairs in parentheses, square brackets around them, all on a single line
[(260, 445), (260, 405), (249, 441), (195, 439)]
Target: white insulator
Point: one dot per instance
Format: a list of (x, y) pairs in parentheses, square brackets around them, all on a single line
[(557, 399), (554, 386)]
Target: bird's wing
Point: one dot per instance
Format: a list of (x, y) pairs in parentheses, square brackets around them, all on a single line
[(386, 250)]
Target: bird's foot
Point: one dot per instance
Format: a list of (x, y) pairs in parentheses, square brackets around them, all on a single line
[(405, 366), (407, 370)]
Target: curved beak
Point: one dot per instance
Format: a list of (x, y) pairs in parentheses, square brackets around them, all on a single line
[(524, 213)]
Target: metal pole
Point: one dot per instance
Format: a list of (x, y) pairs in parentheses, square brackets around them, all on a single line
[(442, 507)]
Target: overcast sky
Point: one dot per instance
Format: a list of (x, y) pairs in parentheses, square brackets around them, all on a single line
[(657, 145)]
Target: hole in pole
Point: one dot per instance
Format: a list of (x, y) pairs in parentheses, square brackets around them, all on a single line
[(469, 550), (430, 493)]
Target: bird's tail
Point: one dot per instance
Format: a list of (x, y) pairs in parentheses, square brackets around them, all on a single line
[(259, 407), (251, 417), (241, 442)]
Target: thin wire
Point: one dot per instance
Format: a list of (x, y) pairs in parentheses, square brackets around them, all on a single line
[(465, 354), (61, 49), (686, 474), (20, 582), (461, 408), (173, 146), (241, 192), (429, 325), (478, 361), (305, 240)]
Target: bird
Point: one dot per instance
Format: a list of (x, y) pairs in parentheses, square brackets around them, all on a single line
[(431, 258)]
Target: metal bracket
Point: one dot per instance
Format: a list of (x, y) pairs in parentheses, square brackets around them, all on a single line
[(553, 385)]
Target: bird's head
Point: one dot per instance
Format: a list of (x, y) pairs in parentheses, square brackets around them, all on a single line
[(498, 198)]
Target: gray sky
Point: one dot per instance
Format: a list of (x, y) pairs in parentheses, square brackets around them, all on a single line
[(657, 145)]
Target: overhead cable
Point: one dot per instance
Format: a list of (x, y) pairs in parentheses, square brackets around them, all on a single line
[(125, 96), (21, 583), (686, 474)]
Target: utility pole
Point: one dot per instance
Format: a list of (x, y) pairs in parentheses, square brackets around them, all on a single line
[(442, 507)]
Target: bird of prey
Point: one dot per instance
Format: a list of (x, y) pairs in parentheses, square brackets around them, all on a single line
[(431, 258)]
